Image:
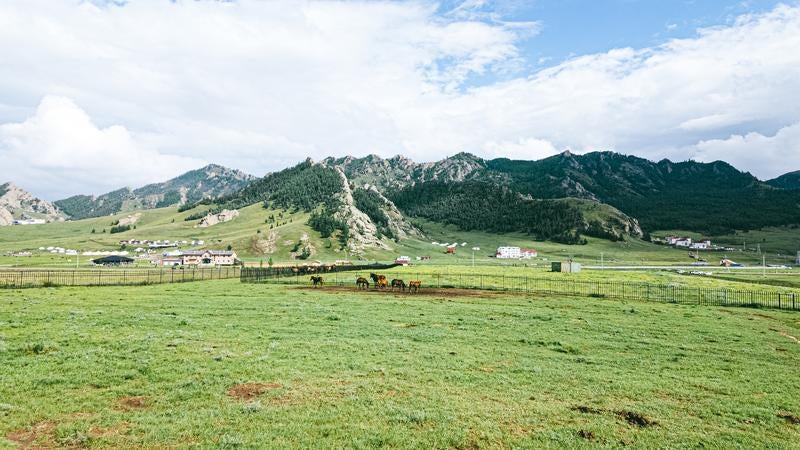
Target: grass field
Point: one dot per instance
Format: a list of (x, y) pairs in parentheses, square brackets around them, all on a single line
[(222, 364)]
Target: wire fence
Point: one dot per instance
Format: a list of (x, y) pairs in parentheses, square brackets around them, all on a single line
[(28, 278), (666, 293)]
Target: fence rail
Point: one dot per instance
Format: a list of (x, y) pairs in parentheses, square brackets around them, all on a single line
[(667, 293), (27, 278)]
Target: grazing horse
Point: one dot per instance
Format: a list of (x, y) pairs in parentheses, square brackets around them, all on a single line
[(316, 280), (398, 283), (415, 285), (379, 280), (362, 283)]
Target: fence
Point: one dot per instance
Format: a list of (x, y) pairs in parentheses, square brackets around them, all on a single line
[(25, 278), (667, 293)]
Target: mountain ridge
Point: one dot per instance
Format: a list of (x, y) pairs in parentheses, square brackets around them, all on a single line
[(210, 182)]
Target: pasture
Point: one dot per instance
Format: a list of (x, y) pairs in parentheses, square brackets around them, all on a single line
[(226, 364)]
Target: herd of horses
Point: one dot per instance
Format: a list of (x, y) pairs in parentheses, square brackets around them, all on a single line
[(379, 281)]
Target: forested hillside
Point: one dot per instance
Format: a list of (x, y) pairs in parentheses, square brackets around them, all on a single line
[(704, 197), (789, 180)]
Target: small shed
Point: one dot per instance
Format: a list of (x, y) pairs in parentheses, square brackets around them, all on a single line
[(113, 260), (566, 267)]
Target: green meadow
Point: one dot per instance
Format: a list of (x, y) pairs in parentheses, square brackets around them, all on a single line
[(223, 364)]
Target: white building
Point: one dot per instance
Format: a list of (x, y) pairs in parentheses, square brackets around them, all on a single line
[(508, 252), (527, 253), (683, 242), (701, 245), (403, 260), (29, 222)]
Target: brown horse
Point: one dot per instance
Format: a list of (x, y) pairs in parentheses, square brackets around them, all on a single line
[(379, 280), (362, 283), (398, 283), (415, 285), (316, 280)]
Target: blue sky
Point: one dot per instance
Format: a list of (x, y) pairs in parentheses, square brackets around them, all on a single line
[(148, 89), (569, 28)]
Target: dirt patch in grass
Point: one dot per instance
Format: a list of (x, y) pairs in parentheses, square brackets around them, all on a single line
[(248, 391), (587, 409), (789, 417), (637, 419), (427, 292), (106, 432), (586, 434), (39, 436), (136, 402)]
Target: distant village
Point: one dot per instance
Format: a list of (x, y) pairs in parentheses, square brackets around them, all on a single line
[(690, 244)]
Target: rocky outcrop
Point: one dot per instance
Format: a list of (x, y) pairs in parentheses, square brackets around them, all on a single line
[(225, 215), (363, 232), (17, 203), (398, 225)]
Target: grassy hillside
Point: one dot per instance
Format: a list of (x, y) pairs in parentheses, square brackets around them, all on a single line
[(222, 365), (243, 235)]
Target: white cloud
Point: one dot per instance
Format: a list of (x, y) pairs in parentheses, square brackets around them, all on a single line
[(777, 154), (61, 145), (259, 85)]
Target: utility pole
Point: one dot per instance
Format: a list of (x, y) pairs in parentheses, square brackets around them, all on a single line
[(474, 249), (602, 261)]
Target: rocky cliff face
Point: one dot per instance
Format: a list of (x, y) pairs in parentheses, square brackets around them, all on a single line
[(399, 172), (16, 203)]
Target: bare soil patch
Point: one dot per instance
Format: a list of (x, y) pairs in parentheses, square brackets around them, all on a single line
[(248, 391), (39, 436), (136, 402), (427, 292), (586, 434), (789, 417), (637, 419)]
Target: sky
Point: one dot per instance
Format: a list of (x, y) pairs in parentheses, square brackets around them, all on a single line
[(96, 95)]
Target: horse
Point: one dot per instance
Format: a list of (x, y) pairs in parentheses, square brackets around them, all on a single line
[(316, 280), (415, 285), (362, 283), (398, 283), (379, 280)]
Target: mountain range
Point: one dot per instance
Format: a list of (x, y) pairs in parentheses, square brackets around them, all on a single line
[(208, 182), (368, 201)]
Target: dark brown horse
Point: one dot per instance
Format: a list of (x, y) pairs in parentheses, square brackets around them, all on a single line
[(362, 283), (316, 280), (398, 283)]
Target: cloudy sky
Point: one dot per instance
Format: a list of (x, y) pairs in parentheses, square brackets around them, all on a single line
[(95, 95)]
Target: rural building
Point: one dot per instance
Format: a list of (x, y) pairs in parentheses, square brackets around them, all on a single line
[(403, 260), (28, 222), (199, 258), (566, 267), (113, 260), (683, 242), (515, 253), (507, 252), (701, 245)]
